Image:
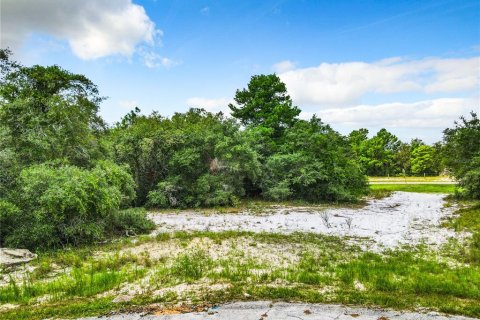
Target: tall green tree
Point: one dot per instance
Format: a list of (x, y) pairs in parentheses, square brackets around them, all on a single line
[(359, 142), (48, 113), (423, 161), (265, 102), (377, 154)]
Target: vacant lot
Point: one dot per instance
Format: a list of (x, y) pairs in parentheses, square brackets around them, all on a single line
[(406, 251)]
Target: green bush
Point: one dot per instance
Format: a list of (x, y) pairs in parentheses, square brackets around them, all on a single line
[(314, 163), (461, 154), (471, 184), (206, 191), (9, 169), (130, 222), (118, 176), (9, 213), (207, 161), (67, 205)]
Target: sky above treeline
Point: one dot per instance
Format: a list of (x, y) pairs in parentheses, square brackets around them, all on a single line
[(412, 67)]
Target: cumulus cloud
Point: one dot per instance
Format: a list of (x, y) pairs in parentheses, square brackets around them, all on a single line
[(283, 66), (435, 113), (92, 28), (344, 84), (211, 105)]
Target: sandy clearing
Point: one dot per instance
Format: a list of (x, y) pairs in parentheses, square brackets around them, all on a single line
[(403, 218)]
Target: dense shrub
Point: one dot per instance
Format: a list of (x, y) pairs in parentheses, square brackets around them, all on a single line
[(53, 189), (313, 163), (193, 159), (119, 177), (201, 159), (66, 205), (471, 183), (9, 170), (129, 222), (461, 154), (9, 213)]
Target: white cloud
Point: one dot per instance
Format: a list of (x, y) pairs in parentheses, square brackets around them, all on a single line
[(436, 113), (283, 66), (344, 84), (154, 60), (211, 105), (92, 28)]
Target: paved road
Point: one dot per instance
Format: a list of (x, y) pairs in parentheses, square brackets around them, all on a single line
[(265, 310)]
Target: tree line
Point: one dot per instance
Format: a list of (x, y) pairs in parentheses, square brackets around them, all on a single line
[(67, 178)]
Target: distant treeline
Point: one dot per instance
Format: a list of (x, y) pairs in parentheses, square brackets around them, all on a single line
[(67, 178)]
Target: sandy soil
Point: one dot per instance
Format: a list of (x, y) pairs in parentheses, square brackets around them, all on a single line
[(402, 218)]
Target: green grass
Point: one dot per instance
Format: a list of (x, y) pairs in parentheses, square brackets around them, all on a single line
[(326, 269), (411, 179), (423, 188), (91, 278), (468, 219)]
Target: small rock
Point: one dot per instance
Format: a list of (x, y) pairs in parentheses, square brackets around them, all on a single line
[(12, 257), (246, 295), (358, 286), (122, 298)]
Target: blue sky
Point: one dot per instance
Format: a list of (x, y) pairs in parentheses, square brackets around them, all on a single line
[(410, 66)]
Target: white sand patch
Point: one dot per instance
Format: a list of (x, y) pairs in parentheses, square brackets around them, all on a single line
[(402, 218)]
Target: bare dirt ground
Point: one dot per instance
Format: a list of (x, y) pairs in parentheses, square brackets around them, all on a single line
[(403, 218)]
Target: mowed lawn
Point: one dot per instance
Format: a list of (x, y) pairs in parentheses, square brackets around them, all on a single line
[(413, 184), (427, 188), (435, 179)]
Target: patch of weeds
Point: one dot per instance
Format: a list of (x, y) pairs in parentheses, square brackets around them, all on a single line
[(468, 219), (44, 268), (88, 280), (403, 272), (379, 193), (191, 266)]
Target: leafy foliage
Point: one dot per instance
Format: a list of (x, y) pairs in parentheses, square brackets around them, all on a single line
[(423, 160), (66, 205), (54, 189), (384, 154), (462, 153), (49, 113), (314, 164)]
